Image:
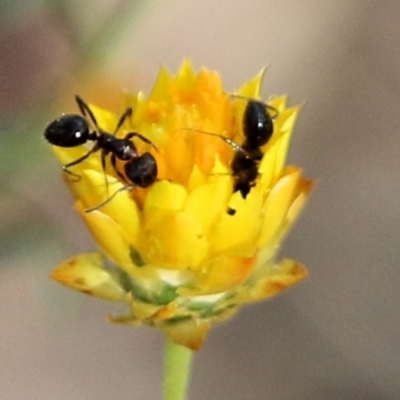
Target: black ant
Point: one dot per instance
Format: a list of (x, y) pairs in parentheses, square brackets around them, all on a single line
[(258, 129), (72, 130)]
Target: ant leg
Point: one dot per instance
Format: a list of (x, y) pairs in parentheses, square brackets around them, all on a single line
[(121, 176), (103, 166), (141, 137), (123, 188), (239, 96), (78, 160), (114, 165), (85, 110)]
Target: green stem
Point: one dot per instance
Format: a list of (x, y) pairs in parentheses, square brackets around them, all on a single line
[(176, 371)]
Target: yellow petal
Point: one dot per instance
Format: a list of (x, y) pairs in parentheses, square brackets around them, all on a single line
[(175, 240), (298, 203), (160, 89), (272, 163), (215, 192), (109, 236), (164, 195), (186, 76), (278, 103), (251, 89), (120, 208), (237, 234), (288, 120), (221, 274), (276, 206)]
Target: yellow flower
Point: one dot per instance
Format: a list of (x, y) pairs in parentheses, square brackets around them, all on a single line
[(180, 260)]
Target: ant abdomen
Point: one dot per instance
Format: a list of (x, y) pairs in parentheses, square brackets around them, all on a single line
[(142, 171), (258, 126)]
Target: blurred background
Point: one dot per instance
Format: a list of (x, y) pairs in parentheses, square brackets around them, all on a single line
[(334, 337)]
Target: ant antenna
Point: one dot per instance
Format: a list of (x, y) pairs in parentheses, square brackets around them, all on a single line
[(131, 135), (85, 110), (127, 114), (236, 146)]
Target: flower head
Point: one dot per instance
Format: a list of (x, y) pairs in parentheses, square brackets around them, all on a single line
[(188, 250)]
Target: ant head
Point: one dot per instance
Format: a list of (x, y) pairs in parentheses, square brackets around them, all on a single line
[(67, 131), (142, 171)]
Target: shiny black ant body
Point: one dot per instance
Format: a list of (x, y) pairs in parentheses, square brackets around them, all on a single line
[(72, 130), (258, 129)]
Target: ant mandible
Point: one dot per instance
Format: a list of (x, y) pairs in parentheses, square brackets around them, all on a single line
[(73, 130)]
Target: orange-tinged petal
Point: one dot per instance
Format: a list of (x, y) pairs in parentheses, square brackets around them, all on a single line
[(188, 333), (285, 274), (88, 273)]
